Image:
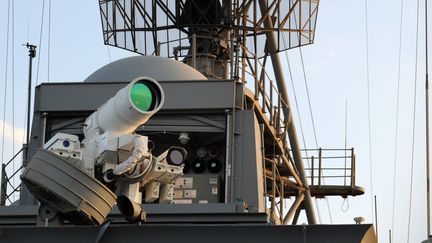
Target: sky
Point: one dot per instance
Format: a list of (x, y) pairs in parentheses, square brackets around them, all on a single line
[(336, 71)]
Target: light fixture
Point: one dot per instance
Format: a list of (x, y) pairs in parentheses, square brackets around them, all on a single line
[(184, 138)]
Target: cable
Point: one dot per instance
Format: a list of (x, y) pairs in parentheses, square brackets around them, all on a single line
[(6, 79), (313, 124), (301, 127), (13, 90), (298, 115), (369, 111), (23, 141), (414, 125), (40, 41), (49, 39), (345, 205), (313, 121), (28, 30), (427, 124), (310, 110), (308, 97), (397, 115), (346, 140)]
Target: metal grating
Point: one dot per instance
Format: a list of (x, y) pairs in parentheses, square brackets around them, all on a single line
[(151, 27)]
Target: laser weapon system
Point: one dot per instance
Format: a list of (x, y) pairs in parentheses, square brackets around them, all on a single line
[(81, 181)]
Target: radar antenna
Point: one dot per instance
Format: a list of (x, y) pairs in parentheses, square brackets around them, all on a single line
[(234, 39)]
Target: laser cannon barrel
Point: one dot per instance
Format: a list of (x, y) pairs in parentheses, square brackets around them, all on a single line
[(132, 106)]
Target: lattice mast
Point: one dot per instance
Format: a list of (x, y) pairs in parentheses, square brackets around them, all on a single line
[(227, 39)]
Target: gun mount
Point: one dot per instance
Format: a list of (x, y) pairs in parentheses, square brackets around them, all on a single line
[(62, 174)]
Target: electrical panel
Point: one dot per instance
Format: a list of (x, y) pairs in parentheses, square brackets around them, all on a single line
[(204, 167)]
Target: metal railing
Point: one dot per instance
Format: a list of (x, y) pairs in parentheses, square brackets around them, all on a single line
[(330, 166), (8, 189), (276, 191)]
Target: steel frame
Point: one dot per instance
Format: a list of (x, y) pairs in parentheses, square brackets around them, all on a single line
[(281, 25), (127, 23)]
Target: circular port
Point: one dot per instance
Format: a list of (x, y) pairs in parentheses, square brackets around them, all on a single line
[(213, 151), (176, 156), (66, 143), (214, 165), (198, 166), (201, 152)]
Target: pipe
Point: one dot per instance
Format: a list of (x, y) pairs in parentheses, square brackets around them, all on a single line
[(291, 185), (292, 134), (138, 152), (3, 186), (290, 215), (132, 211)]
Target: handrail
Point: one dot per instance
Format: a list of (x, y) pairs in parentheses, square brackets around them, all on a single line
[(321, 172), (6, 180)]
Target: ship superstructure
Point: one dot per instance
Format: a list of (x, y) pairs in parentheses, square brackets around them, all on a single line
[(223, 107)]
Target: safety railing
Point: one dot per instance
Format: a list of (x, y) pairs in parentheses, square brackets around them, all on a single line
[(8, 189), (330, 166), (275, 189)]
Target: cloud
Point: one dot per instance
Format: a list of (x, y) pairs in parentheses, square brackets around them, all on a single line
[(9, 133), (11, 146)]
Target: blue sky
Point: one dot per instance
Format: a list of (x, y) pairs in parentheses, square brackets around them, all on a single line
[(336, 71)]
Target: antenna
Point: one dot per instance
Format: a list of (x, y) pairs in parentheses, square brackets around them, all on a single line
[(210, 30), (238, 40), (32, 54), (427, 128), (376, 215)]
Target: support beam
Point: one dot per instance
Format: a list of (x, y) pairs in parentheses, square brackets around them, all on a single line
[(292, 134), (3, 186), (297, 214), (288, 184), (290, 215)]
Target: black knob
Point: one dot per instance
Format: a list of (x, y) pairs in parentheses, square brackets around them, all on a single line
[(214, 165), (198, 166)]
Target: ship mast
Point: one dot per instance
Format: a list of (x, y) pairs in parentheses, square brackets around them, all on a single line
[(292, 134), (427, 125), (240, 39)]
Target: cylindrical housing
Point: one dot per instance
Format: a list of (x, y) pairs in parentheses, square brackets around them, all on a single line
[(132, 106)]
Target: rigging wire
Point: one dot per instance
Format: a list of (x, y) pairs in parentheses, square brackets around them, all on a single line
[(369, 111), (312, 119), (49, 39), (313, 122), (345, 205), (397, 116), (13, 91), (24, 134), (346, 140), (5, 79), (28, 30), (298, 114), (301, 126), (427, 124), (414, 124), (308, 97), (311, 113), (40, 41)]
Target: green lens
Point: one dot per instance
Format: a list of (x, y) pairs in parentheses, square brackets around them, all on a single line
[(141, 96)]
